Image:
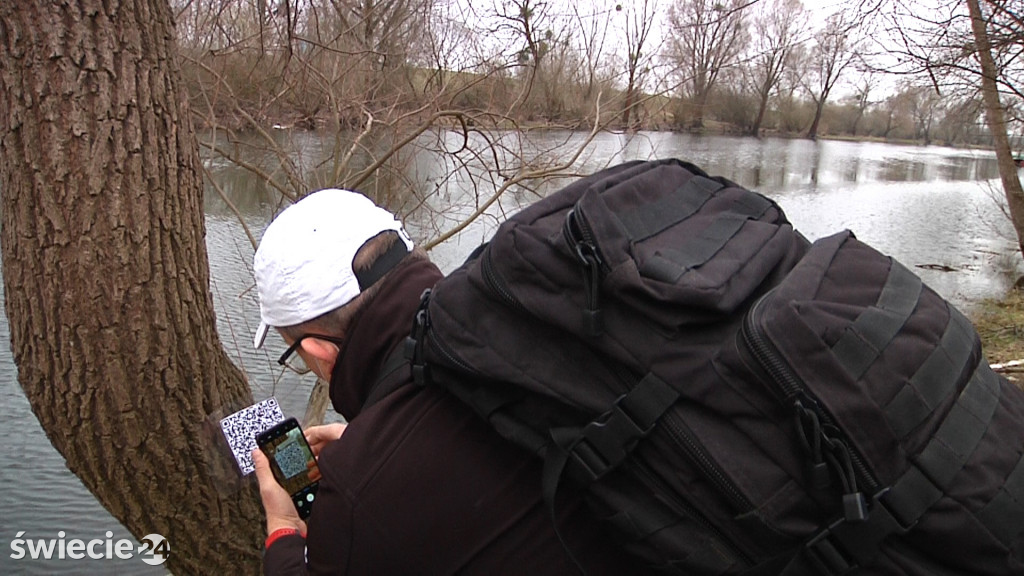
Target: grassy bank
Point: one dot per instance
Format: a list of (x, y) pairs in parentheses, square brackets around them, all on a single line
[(1000, 322)]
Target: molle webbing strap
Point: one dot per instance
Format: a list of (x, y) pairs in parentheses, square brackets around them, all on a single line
[(647, 220), (948, 451), (670, 265), (1002, 515), (875, 328), (382, 265), (896, 510), (962, 429), (587, 455), (936, 379)]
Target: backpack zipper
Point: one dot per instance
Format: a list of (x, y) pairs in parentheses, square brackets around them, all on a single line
[(809, 413), (497, 284), (710, 469), (577, 232), (685, 439), (580, 239), (684, 508), (441, 348)]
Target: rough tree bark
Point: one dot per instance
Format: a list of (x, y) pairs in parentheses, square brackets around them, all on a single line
[(106, 274), (996, 117)]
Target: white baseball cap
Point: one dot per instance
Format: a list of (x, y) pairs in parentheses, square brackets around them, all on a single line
[(303, 265)]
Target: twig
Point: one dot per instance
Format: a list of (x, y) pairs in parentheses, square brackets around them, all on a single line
[(231, 206), (1011, 366), (525, 175)]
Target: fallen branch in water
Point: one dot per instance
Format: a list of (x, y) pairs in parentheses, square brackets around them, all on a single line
[(937, 267)]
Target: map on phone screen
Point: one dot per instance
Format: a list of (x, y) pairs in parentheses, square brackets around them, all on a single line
[(240, 429)]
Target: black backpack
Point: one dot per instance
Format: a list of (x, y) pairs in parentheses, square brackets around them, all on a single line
[(731, 398)]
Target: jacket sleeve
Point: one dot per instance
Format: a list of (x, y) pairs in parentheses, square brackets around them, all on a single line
[(286, 556)]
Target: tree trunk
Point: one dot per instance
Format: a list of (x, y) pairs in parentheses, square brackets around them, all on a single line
[(630, 91), (762, 107), (106, 274), (996, 117), (700, 105), (812, 132), (888, 125), (856, 121)]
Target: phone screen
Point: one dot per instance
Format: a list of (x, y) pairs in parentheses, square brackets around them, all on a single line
[(293, 463)]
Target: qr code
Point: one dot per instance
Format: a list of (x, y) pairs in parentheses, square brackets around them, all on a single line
[(240, 429), (291, 458)]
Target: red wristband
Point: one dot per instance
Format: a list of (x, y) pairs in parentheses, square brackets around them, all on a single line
[(281, 533)]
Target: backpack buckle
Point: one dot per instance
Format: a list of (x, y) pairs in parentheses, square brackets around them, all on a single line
[(825, 555), (413, 345), (847, 544), (608, 440)]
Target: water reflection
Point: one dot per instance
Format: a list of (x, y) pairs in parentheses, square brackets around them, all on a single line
[(907, 200), (772, 165)]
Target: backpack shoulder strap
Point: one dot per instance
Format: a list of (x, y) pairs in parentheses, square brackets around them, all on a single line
[(390, 378)]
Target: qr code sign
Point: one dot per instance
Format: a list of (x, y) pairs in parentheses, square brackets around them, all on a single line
[(291, 458), (240, 429)]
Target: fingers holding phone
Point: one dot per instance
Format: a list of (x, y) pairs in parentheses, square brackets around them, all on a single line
[(277, 503), (292, 463), (319, 436)]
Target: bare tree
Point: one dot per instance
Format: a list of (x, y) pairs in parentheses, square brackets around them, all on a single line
[(862, 98), (779, 26), (439, 47), (789, 104), (527, 20), (996, 116), (705, 38), (640, 21), (592, 28), (889, 109), (926, 108), (963, 53), (106, 275), (834, 51), (961, 121)]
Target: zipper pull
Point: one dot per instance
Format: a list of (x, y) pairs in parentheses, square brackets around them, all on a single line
[(808, 428), (586, 254), (413, 345), (855, 505), (592, 320)]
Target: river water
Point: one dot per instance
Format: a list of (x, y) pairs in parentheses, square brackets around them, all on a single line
[(936, 209)]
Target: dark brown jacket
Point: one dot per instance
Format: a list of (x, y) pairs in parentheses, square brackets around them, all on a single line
[(420, 485)]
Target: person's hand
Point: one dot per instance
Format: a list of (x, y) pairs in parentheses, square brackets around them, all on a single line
[(277, 504), (319, 436)]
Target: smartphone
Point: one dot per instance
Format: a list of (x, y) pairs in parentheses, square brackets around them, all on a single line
[(292, 462)]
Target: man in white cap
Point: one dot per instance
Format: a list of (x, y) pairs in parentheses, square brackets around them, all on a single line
[(416, 483)]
